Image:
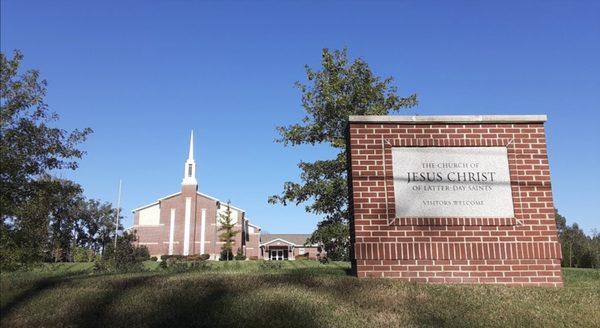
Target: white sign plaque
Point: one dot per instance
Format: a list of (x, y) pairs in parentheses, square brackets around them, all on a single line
[(452, 182)]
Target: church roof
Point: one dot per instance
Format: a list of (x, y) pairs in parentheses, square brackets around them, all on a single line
[(291, 238), (176, 194)]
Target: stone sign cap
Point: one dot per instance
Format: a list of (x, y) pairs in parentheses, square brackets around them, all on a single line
[(448, 118)]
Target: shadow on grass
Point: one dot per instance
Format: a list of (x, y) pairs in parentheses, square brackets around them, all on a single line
[(419, 304), (95, 312), (298, 297), (215, 307), (38, 287), (203, 300), (183, 300)]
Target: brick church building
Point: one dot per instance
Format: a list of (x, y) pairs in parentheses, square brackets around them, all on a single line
[(186, 222)]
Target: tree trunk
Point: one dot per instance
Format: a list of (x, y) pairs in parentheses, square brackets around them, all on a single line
[(571, 254)]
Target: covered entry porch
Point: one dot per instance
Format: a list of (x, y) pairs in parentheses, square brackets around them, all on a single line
[(278, 250), (278, 253)]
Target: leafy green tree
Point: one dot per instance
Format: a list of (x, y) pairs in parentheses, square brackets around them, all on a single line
[(25, 237), (578, 249), (125, 257), (81, 254), (595, 249), (30, 148), (340, 88), (42, 227), (334, 238), (228, 233), (63, 215), (95, 228)]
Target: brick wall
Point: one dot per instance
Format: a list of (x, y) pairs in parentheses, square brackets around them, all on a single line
[(312, 252), (523, 250), (253, 245), (156, 238)]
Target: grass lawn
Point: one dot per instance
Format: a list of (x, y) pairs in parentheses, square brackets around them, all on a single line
[(301, 294)]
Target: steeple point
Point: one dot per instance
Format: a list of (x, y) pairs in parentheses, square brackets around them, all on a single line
[(191, 154), (189, 171)]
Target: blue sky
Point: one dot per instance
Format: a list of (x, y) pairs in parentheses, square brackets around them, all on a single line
[(142, 75)]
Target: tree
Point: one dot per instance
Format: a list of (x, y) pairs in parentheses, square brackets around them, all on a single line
[(96, 225), (227, 236), (125, 257), (595, 248), (30, 148), (334, 238), (29, 145), (339, 89), (63, 199), (578, 249), (43, 226)]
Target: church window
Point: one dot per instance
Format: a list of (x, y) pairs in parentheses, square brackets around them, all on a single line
[(189, 170)]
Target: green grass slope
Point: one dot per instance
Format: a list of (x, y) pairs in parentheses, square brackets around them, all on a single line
[(300, 294)]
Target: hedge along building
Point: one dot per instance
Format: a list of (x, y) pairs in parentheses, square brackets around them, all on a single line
[(187, 222), (452, 199)]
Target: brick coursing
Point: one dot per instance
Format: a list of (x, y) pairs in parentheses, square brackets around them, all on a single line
[(253, 245), (156, 238), (523, 250)]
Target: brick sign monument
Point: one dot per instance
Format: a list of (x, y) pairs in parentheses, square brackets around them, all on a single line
[(452, 199)]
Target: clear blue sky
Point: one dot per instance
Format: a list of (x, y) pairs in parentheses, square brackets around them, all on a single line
[(143, 75)]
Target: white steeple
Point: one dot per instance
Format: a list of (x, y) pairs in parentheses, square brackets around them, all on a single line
[(189, 171)]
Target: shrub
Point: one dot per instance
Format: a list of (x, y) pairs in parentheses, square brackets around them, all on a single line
[(195, 257), (9, 252), (125, 258), (81, 254), (166, 257), (239, 256), (177, 264), (226, 255), (302, 257), (154, 258), (323, 259), (141, 253)]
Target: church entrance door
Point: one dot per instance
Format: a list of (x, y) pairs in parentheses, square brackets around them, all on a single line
[(278, 255)]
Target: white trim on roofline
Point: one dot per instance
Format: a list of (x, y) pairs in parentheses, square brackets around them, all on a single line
[(143, 207), (289, 242), (234, 207), (169, 196), (218, 200), (207, 196), (177, 193), (156, 202), (278, 239), (254, 225)]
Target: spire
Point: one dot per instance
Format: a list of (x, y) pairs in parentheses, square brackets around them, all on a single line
[(191, 155), (189, 170)]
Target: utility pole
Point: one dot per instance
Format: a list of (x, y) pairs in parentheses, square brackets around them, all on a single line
[(118, 213)]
